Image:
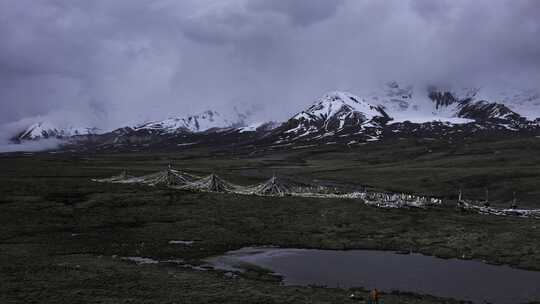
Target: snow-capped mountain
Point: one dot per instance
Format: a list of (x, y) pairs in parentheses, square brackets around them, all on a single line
[(406, 103), (395, 111), (401, 112), (337, 110), (457, 106), (484, 111), (180, 131), (333, 114), (194, 123), (41, 130), (524, 102)]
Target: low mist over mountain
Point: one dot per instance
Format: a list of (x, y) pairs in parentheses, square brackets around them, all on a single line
[(45, 130), (107, 66), (335, 118)]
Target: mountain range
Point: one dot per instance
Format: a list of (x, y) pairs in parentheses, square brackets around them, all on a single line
[(336, 117), (44, 130)]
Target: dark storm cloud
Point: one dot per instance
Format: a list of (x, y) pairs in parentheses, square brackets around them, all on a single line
[(300, 12), (488, 39), (116, 62)]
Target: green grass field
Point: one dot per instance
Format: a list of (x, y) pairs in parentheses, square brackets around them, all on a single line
[(62, 236)]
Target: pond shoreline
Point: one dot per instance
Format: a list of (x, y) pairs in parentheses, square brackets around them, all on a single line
[(416, 273)]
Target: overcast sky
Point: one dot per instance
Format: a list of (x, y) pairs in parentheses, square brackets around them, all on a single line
[(114, 62)]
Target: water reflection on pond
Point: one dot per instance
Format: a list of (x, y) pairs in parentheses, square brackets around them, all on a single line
[(459, 279)]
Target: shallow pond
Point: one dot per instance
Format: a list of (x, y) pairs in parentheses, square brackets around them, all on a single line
[(387, 271)]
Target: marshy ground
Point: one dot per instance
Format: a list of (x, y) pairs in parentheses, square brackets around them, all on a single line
[(63, 236)]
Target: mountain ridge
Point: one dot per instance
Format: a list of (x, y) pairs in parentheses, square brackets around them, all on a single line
[(336, 117), (44, 130)]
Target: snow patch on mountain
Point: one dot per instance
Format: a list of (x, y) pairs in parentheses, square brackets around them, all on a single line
[(259, 126), (406, 103), (193, 123), (338, 104), (337, 107), (399, 118), (251, 128), (524, 102), (335, 114), (43, 129), (446, 104)]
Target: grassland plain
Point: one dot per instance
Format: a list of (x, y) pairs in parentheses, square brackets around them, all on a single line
[(63, 237)]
